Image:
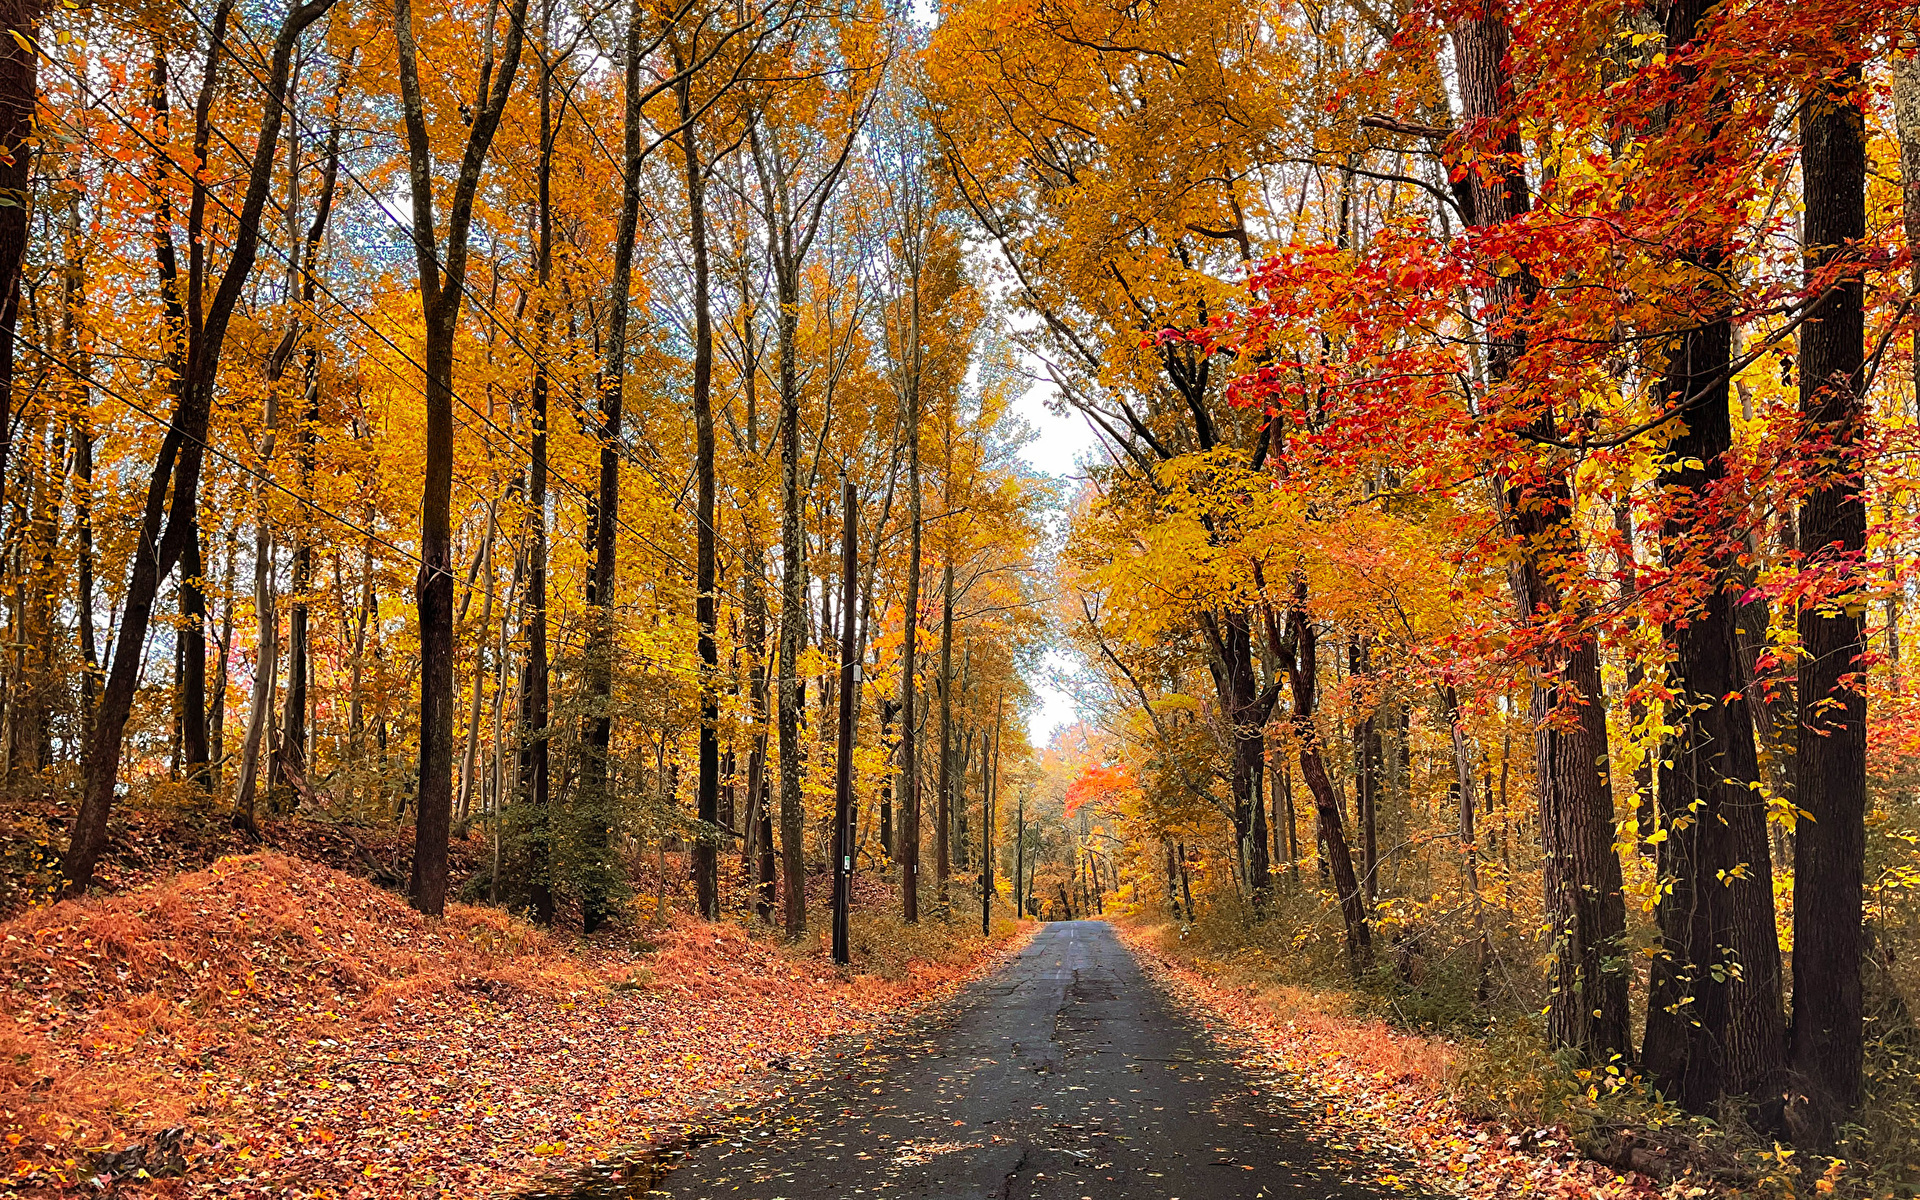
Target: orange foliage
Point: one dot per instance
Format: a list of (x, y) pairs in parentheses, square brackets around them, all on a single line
[(1099, 785), (284, 1010)]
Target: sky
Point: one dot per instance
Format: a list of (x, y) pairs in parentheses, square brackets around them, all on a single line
[(1057, 451)]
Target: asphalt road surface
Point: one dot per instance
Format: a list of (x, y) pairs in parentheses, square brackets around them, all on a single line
[(1065, 1075)]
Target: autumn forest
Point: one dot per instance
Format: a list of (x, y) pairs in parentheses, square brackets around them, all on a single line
[(565, 500)]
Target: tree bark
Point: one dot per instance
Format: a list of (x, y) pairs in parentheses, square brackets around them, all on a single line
[(1906, 125), (442, 270), (1830, 845), (19, 94), (1366, 783), (266, 642), (1338, 857), (943, 798), (1714, 1019), (1230, 639), (908, 843), (483, 580), (292, 751), (173, 485), (757, 853), (1587, 1010), (194, 751), (989, 793), (596, 779), (217, 710), (792, 612), (534, 718), (706, 870)]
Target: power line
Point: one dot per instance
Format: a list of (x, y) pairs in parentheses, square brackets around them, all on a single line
[(262, 476), (472, 297), (395, 347)]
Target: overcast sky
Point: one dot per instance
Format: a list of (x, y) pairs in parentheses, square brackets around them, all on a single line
[(1063, 441)]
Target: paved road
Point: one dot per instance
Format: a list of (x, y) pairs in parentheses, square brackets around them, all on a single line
[(1066, 1075)]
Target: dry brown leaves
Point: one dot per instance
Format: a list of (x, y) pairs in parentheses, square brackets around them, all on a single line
[(317, 1037), (1396, 1083)]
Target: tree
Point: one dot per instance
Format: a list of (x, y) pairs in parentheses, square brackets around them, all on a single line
[(706, 853), (171, 512), (1583, 882), (442, 274), (793, 204), (1829, 846)]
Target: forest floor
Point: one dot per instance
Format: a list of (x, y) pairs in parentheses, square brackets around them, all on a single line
[(269, 1025), (1388, 1083)]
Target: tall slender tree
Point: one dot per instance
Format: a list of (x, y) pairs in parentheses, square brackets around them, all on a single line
[(706, 603), (1588, 1010), (171, 508), (799, 170), (442, 280), (534, 717)]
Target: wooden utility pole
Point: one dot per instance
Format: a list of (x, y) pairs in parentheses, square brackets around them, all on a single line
[(989, 794), (843, 768), (1019, 856)]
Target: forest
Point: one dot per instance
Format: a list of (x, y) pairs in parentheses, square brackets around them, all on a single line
[(569, 471)]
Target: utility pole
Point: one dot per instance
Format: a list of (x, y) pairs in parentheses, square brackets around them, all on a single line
[(843, 769), (1020, 855), (991, 793)]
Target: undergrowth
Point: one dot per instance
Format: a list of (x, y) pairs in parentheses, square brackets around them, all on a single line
[(1498, 1066), (884, 945)]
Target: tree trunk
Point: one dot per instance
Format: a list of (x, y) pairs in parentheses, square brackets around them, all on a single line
[(1587, 1010), (1906, 124), (19, 92), (470, 757), (534, 718), (1830, 847), (292, 752), (1313, 770), (908, 843), (194, 753), (596, 778), (792, 611), (1366, 782), (173, 487), (943, 799), (266, 661), (757, 853), (1230, 638), (1714, 1020), (888, 706), (706, 872), (849, 715), (1469, 838), (441, 270), (989, 792), (217, 711)]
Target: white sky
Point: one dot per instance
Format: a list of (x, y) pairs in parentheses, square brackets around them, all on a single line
[(1062, 443)]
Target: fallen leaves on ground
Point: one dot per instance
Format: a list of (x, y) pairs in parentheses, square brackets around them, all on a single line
[(1395, 1084), (314, 1036)]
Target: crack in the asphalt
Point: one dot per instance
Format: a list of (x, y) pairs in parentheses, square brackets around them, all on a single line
[(1019, 1164)]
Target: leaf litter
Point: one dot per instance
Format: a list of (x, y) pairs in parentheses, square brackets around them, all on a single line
[(272, 1027), (1379, 1086)]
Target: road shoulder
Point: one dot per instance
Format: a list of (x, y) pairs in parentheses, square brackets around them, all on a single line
[(1380, 1086)]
